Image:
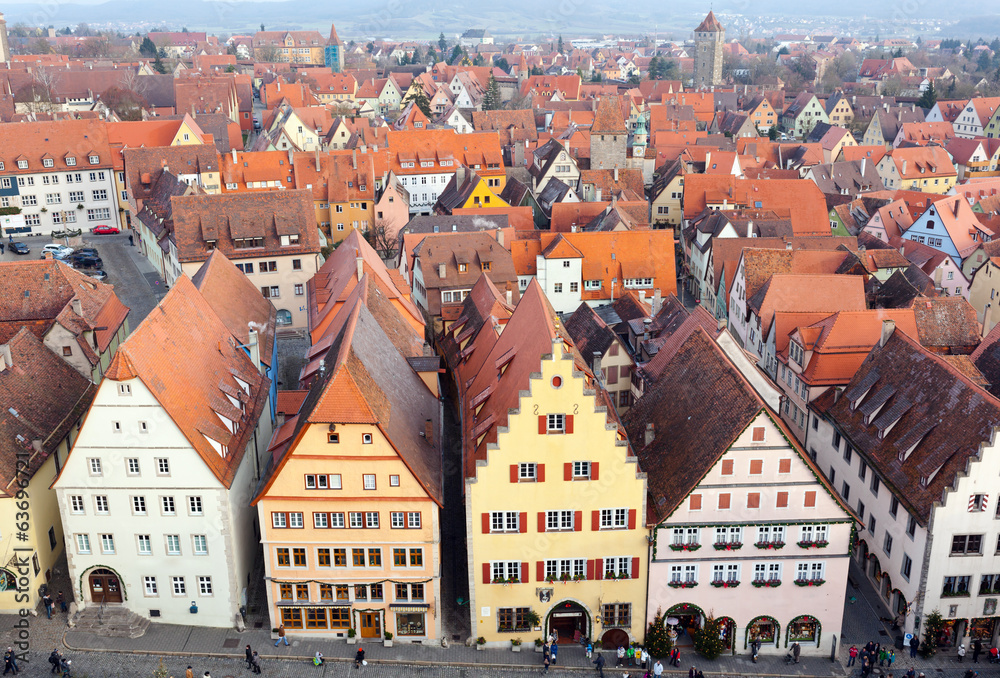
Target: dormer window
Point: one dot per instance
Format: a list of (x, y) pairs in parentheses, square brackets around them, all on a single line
[(48, 162), (795, 352), (22, 164), (70, 161), (94, 159), (462, 268)]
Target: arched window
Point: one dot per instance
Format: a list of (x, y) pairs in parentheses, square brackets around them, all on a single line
[(803, 629), (764, 629), (284, 317), (8, 582)]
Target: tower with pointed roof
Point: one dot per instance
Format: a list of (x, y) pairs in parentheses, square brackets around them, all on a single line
[(608, 135), (709, 38), (334, 51)]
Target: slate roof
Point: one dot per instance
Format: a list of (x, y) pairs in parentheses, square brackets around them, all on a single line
[(608, 117), (475, 251), (591, 334), (947, 323), (485, 306), (933, 420), (709, 25)]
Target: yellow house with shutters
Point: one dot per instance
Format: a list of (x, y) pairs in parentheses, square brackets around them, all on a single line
[(555, 499), (349, 509)]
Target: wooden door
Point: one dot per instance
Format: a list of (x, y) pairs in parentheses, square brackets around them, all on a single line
[(371, 625), (105, 587)]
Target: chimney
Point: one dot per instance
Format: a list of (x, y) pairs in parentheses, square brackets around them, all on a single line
[(616, 175), (77, 306), (442, 271), (429, 431), (510, 297), (354, 159), (234, 156), (5, 359), (360, 262), (597, 195), (316, 156), (987, 312), (650, 434), (499, 235), (657, 301), (642, 296), (749, 229), (722, 324), (597, 366), (888, 327), (788, 245), (937, 277), (646, 322), (904, 167), (253, 345), (279, 84), (864, 166)]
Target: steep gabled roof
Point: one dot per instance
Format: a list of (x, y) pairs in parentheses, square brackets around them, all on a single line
[(608, 118)]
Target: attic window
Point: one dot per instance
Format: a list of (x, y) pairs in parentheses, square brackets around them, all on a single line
[(462, 268), (758, 434), (70, 161)]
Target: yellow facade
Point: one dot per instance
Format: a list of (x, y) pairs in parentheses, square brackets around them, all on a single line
[(612, 488), (326, 580), (338, 219), (483, 196)]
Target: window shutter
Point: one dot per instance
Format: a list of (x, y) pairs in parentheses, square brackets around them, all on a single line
[(756, 467), (784, 466), (595, 520), (753, 500), (695, 502), (782, 500), (631, 519), (577, 521), (523, 522), (599, 568), (810, 498), (613, 374), (541, 473), (593, 470), (524, 573), (541, 521), (569, 423), (486, 573), (513, 473), (590, 569), (724, 500), (486, 523), (727, 467), (568, 471), (540, 570), (635, 568), (543, 425)]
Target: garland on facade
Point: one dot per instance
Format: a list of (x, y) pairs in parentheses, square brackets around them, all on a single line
[(806, 618), (121, 587), (341, 582)]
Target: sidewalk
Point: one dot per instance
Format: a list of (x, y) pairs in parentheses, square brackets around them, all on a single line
[(173, 640)]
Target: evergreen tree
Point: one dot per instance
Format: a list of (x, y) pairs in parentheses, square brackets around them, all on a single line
[(772, 133), (596, 77), (654, 68), (708, 640), (456, 54), (419, 99), (147, 48), (404, 60), (929, 97), (416, 58), (442, 43), (478, 61), (657, 642), (933, 625), (158, 65), (432, 56), (560, 47), (492, 101), (502, 64)]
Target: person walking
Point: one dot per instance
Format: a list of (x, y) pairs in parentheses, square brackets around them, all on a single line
[(599, 664), (630, 655), (255, 662), (692, 672), (675, 656), (281, 636), (644, 658), (545, 664), (188, 673), (553, 653), (8, 662), (977, 649), (754, 650), (796, 651), (47, 602), (590, 649), (657, 669), (1, 247), (249, 654), (66, 667), (54, 660), (318, 659), (852, 655), (359, 657), (914, 645), (961, 652), (546, 648), (60, 598), (882, 654)]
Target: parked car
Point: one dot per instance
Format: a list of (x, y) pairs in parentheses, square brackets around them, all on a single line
[(19, 248), (86, 262), (87, 252), (104, 230), (98, 275), (58, 251)]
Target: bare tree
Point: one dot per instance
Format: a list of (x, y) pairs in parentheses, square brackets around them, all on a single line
[(268, 54), (382, 240), (131, 81)]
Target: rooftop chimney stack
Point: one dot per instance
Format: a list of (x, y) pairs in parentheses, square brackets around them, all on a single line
[(888, 327), (597, 367), (360, 262), (650, 434), (657, 301), (77, 306)]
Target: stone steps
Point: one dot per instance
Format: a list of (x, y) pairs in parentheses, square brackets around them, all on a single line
[(116, 621)]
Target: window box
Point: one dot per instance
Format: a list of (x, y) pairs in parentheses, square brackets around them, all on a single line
[(770, 545), (612, 575), (682, 584), (725, 584), (955, 594), (727, 546), (685, 547), (813, 544), (508, 580), (766, 583), (811, 582)]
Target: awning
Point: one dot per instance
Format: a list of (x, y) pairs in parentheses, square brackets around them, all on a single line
[(409, 608)]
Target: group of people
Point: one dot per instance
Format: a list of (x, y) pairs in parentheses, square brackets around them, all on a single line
[(49, 603), (253, 659), (59, 663), (870, 655)]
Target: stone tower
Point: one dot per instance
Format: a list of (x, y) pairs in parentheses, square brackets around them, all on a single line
[(4, 47), (709, 39), (608, 135)]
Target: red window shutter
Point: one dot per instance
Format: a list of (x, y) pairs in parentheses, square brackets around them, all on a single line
[(523, 522), (599, 568), (727, 467), (541, 473), (635, 568), (486, 573), (577, 521), (756, 467), (782, 500), (631, 519), (543, 425), (810, 498), (541, 521), (753, 500), (524, 573), (590, 569), (612, 374), (486, 523), (695, 502), (540, 570), (513, 473), (569, 423), (724, 500), (595, 520), (567, 471), (784, 466), (593, 470)]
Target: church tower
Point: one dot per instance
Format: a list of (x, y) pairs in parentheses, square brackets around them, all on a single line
[(4, 47), (709, 39)]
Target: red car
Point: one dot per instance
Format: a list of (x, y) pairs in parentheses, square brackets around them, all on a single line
[(105, 230)]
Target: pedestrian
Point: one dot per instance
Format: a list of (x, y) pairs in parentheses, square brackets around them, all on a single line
[(644, 658), (866, 666), (546, 648), (977, 649), (621, 656), (852, 655), (66, 666), (796, 651), (47, 601), (699, 674), (130, 241), (553, 652), (692, 672), (318, 659), (359, 657), (657, 669), (882, 654), (754, 650), (630, 655), (911, 673), (961, 651), (590, 649), (914, 645), (994, 655), (60, 598), (249, 654), (545, 664), (8, 662), (281, 636), (970, 673), (255, 662), (207, 675), (599, 664), (188, 673), (676, 656), (1, 247), (54, 660), (890, 657)]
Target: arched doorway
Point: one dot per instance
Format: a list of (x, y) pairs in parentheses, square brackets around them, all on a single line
[(727, 630), (690, 618), (875, 569), (570, 620), (863, 554), (105, 586), (613, 639), (284, 317)]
